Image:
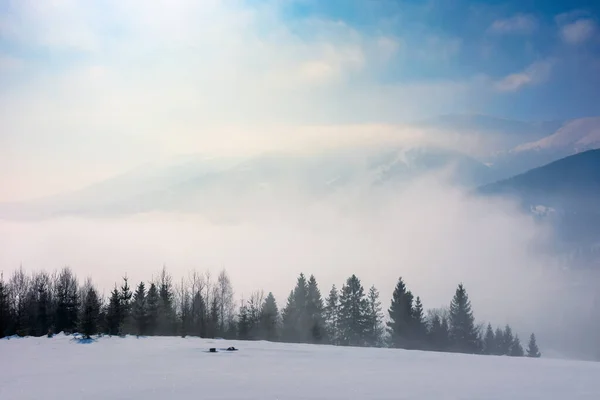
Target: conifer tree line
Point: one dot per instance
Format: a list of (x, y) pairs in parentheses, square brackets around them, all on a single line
[(43, 304)]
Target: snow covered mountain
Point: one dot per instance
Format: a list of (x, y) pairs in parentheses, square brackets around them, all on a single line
[(570, 138)]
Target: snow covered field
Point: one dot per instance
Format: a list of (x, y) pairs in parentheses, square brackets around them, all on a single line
[(176, 368)]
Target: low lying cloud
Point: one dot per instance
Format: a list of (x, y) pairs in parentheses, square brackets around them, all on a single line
[(433, 235)]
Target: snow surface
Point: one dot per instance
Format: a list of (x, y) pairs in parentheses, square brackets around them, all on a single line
[(178, 368)]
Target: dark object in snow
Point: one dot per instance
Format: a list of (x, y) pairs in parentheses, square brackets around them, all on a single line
[(212, 350), (231, 348)]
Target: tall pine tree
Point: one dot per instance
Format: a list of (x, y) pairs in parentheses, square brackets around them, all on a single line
[(489, 342), (400, 314), (127, 323), (166, 313), (198, 313), (463, 332), (516, 350), (297, 326), (90, 310), (140, 309), (67, 301), (507, 341), (419, 326), (114, 320), (314, 309), (354, 313), (532, 348), (375, 330), (269, 319), (152, 302), (331, 315)]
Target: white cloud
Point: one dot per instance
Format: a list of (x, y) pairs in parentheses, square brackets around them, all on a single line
[(579, 31), (116, 83), (534, 74), (517, 24)]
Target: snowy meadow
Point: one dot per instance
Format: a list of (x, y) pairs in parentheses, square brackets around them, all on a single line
[(170, 367)]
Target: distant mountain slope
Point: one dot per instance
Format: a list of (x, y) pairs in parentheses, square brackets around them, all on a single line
[(573, 181), (567, 192), (570, 138), (197, 184)]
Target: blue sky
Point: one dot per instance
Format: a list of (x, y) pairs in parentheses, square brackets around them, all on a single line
[(492, 37), (90, 89)]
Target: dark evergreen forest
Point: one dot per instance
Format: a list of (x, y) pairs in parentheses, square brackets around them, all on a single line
[(41, 304)]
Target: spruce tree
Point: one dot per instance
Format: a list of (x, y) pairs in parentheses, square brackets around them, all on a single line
[(67, 301), (288, 317), (375, 317), (114, 313), (516, 350), (499, 338), (463, 332), (489, 342), (297, 325), (166, 313), (419, 327), (254, 305), (269, 319), (140, 309), (354, 313), (90, 310), (314, 308), (243, 329), (152, 302), (401, 318), (331, 315), (126, 317), (532, 348), (198, 314), (213, 318), (43, 307), (507, 341), (303, 326)]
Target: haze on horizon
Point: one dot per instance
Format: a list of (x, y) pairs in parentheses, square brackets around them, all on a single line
[(87, 93)]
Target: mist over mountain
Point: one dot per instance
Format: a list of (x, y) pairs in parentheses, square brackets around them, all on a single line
[(196, 183), (569, 137), (565, 193), (481, 150), (503, 134)]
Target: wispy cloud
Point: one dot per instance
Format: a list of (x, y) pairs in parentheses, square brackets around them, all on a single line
[(579, 31), (518, 24), (534, 74)]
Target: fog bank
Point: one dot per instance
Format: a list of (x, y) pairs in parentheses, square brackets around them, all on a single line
[(430, 233)]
